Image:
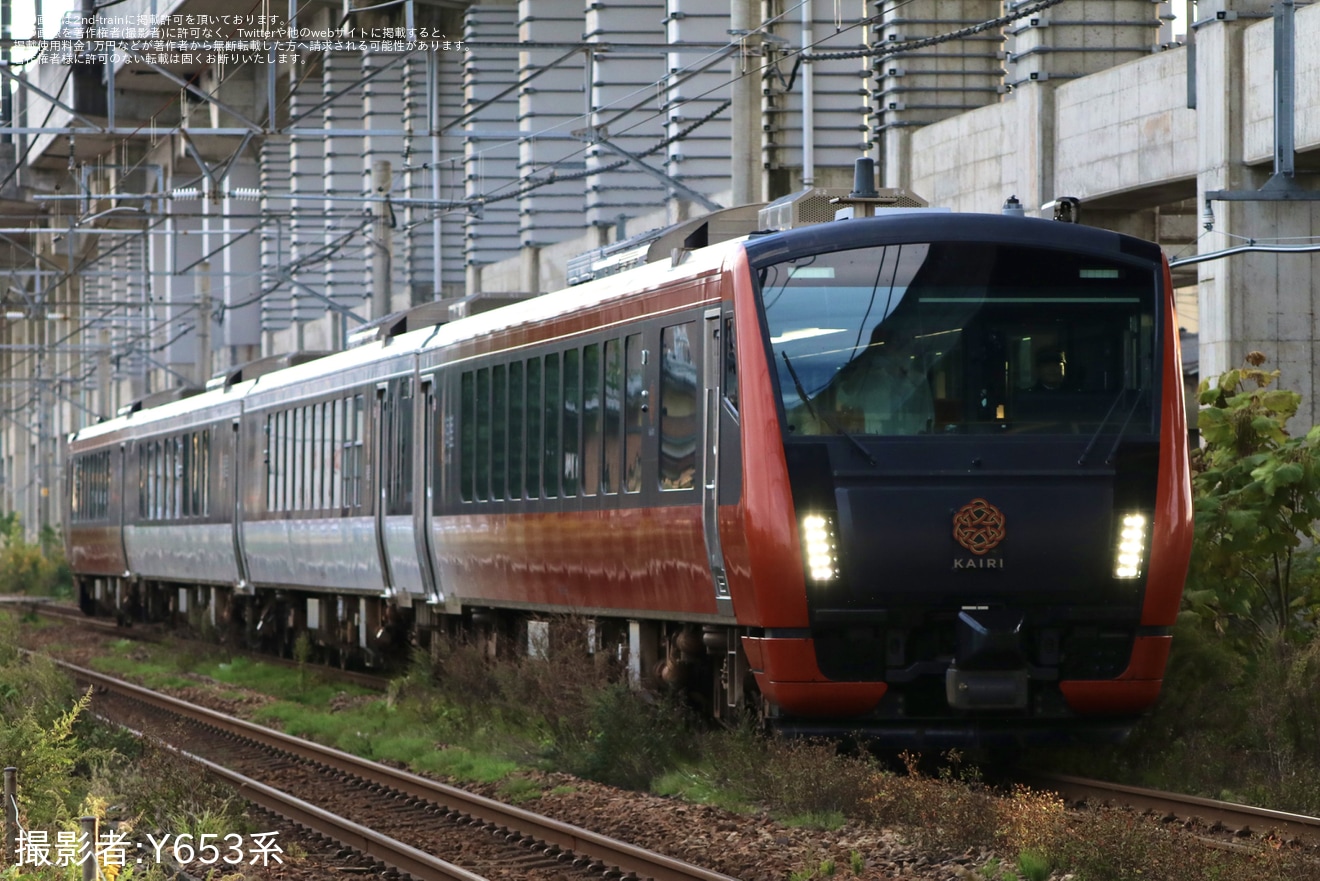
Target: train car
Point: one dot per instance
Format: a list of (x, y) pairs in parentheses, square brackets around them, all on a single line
[(921, 475), (166, 525), (325, 549), (93, 514)]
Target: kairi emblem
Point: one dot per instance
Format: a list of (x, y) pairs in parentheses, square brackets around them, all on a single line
[(979, 527)]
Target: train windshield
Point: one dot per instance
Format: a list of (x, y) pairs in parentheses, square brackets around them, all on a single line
[(962, 337)]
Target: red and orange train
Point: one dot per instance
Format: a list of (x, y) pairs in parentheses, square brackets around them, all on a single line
[(923, 476)]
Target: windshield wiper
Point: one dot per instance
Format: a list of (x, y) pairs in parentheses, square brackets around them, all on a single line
[(1136, 399), (821, 417)]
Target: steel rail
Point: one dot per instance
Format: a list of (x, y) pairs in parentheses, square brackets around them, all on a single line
[(368, 842), (1237, 818), (627, 858)]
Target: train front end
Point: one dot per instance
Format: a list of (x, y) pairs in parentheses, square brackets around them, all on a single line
[(980, 465)]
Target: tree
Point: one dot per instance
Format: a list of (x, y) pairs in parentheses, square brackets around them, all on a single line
[(1257, 499)]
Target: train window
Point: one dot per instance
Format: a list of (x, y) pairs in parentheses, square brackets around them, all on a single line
[(678, 408), (483, 434), (317, 457), (467, 449), (206, 473), (195, 502), (730, 364), (516, 445), (270, 462), (499, 430), (282, 451), (572, 411), (591, 420), (157, 480), (76, 490), (404, 460), (553, 390), (359, 438), (532, 448), (609, 478), (635, 391), (305, 450), (177, 496), (189, 493), (337, 453), (961, 337), (142, 483), (327, 429), (291, 459), (167, 479)]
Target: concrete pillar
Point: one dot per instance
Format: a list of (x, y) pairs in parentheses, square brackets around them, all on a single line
[(382, 108), (700, 159), (918, 87), (1078, 37), (276, 242), (235, 281), (490, 229), (1033, 161), (550, 108), (1251, 302), (745, 134), (382, 244), (620, 79), (346, 271), (817, 118)]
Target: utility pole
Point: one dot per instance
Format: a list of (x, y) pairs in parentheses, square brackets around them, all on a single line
[(382, 264), (203, 323)]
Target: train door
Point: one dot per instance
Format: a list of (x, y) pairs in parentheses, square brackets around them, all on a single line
[(383, 464), (712, 371), (235, 453), (424, 507)]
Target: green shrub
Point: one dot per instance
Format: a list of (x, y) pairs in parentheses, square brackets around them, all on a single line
[(35, 569)]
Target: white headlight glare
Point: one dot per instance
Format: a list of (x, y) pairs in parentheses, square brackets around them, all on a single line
[(1129, 556), (819, 548)]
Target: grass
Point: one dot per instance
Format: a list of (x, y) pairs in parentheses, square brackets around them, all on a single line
[(468, 719), (828, 821), (517, 789)]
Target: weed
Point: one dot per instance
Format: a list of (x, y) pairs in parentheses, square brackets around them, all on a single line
[(856, 863), (1032, 866), (517, 789), (824, 869), (791, 777), (947, 814), (827, 821)]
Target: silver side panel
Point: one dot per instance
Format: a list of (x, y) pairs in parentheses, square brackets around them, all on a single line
[(401, 545), (330, 554), (202, 552)]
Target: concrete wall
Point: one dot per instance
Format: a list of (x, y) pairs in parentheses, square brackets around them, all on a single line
[(1258, 86), (1125, 128)]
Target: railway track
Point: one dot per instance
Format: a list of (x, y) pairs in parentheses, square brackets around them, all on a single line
[(1196, 813), (339, 783)]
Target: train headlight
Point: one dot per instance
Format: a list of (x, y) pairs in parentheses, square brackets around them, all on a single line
[(1130, 550), (820, 548)]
